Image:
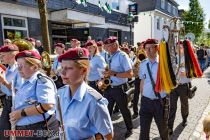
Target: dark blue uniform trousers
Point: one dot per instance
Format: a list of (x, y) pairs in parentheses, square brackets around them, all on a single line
[(180, 91), (118, 95), (136, 96), (4, 119), (149, 109)]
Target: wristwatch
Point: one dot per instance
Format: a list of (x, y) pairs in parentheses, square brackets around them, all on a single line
[(115, 74), (23, 113)]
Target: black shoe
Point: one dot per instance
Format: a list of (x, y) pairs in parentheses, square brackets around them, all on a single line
[(134, 116), (128, 133), (170, 131), (184, 123)]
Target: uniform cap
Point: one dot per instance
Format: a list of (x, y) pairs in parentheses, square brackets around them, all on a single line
[(110, 40), (74, 40), (90, 43), (150, 41), (75, 54), (28, 53), (8, 48), (60, 45), (100, 43)]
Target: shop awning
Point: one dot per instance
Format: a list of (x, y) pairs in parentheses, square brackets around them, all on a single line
[(72, 16)]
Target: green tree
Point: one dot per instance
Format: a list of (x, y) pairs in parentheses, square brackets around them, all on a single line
[(209, 24), (194, 18)]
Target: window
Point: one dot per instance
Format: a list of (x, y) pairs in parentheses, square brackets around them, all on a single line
[(115, 5), (14, 27), (113, 33), (163, 4), (158, 23), (169, 7), (174, 10)]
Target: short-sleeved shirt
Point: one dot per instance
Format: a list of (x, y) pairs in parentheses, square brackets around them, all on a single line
[(105, 55), (182, 80), (12, 74), (97, 65), (35, 89), (56, 65), (119, 62), (83, 114), (144, 75)]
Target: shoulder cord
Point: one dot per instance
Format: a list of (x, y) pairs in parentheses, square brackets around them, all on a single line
[(43, 114)]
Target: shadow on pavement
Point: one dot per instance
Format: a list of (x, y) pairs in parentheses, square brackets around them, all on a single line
[(177, 131)]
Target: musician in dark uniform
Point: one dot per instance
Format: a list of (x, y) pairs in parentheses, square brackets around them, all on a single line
[(120, 70), (151, 106), (8, 53), (34, 107)]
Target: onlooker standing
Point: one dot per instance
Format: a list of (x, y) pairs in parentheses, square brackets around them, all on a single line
[(39, 46), (208, 55), (201, 54)]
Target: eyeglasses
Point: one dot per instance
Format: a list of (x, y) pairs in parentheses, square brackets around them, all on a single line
[(6, 42)]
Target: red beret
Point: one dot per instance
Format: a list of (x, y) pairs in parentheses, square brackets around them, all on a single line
[(61, 45), (28, 53), (90, 43), (30, 39), (110, 40), (150, 41), (8, 48), (74, 40), (74, 54), (100, 43)]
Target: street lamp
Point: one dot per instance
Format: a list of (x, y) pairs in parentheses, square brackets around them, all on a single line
[(130, 19)]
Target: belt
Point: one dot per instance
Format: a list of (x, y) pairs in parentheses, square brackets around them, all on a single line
[(8, 97), (152, 99), (185, 84), (119, 86), (33, 125)]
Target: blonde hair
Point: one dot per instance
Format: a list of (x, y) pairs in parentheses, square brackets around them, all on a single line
[(34, 62), (83, 64), (206, 125)]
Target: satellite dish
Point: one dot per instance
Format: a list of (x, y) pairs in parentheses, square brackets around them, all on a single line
[(190, 36)]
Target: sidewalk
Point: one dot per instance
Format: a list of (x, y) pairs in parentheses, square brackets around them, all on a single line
[(199, 107)]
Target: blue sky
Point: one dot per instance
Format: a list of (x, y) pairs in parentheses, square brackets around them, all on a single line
[(205, 4)]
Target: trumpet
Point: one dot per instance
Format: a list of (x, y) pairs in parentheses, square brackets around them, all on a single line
[(105, 82)]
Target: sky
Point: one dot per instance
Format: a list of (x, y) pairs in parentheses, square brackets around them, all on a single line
[(205, 4)]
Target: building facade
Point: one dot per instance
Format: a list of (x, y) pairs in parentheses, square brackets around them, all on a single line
[(153, 14), (67, 20)]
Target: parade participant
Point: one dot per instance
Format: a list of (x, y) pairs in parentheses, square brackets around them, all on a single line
[(33, 43), (140, 56), (102, 51), (75, 43), (206, 127), (84, 110), (151, 105), (7, 42), (34, 101), (8, 53), (180, 91), (59, 49), (120, 70), (97, 64)]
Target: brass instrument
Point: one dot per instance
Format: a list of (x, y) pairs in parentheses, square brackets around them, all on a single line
[(46, 62), (23, 44), (62, 134), (105, 82), (140, 56)]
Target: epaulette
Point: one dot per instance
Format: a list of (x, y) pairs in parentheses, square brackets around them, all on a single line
[(94, 93), (123, 53), (41, 78), (143, 60)]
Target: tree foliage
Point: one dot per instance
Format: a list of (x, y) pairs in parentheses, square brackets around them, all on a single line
[(195, 17)]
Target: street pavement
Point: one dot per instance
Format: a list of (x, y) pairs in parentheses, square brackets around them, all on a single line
[(199, 107)]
